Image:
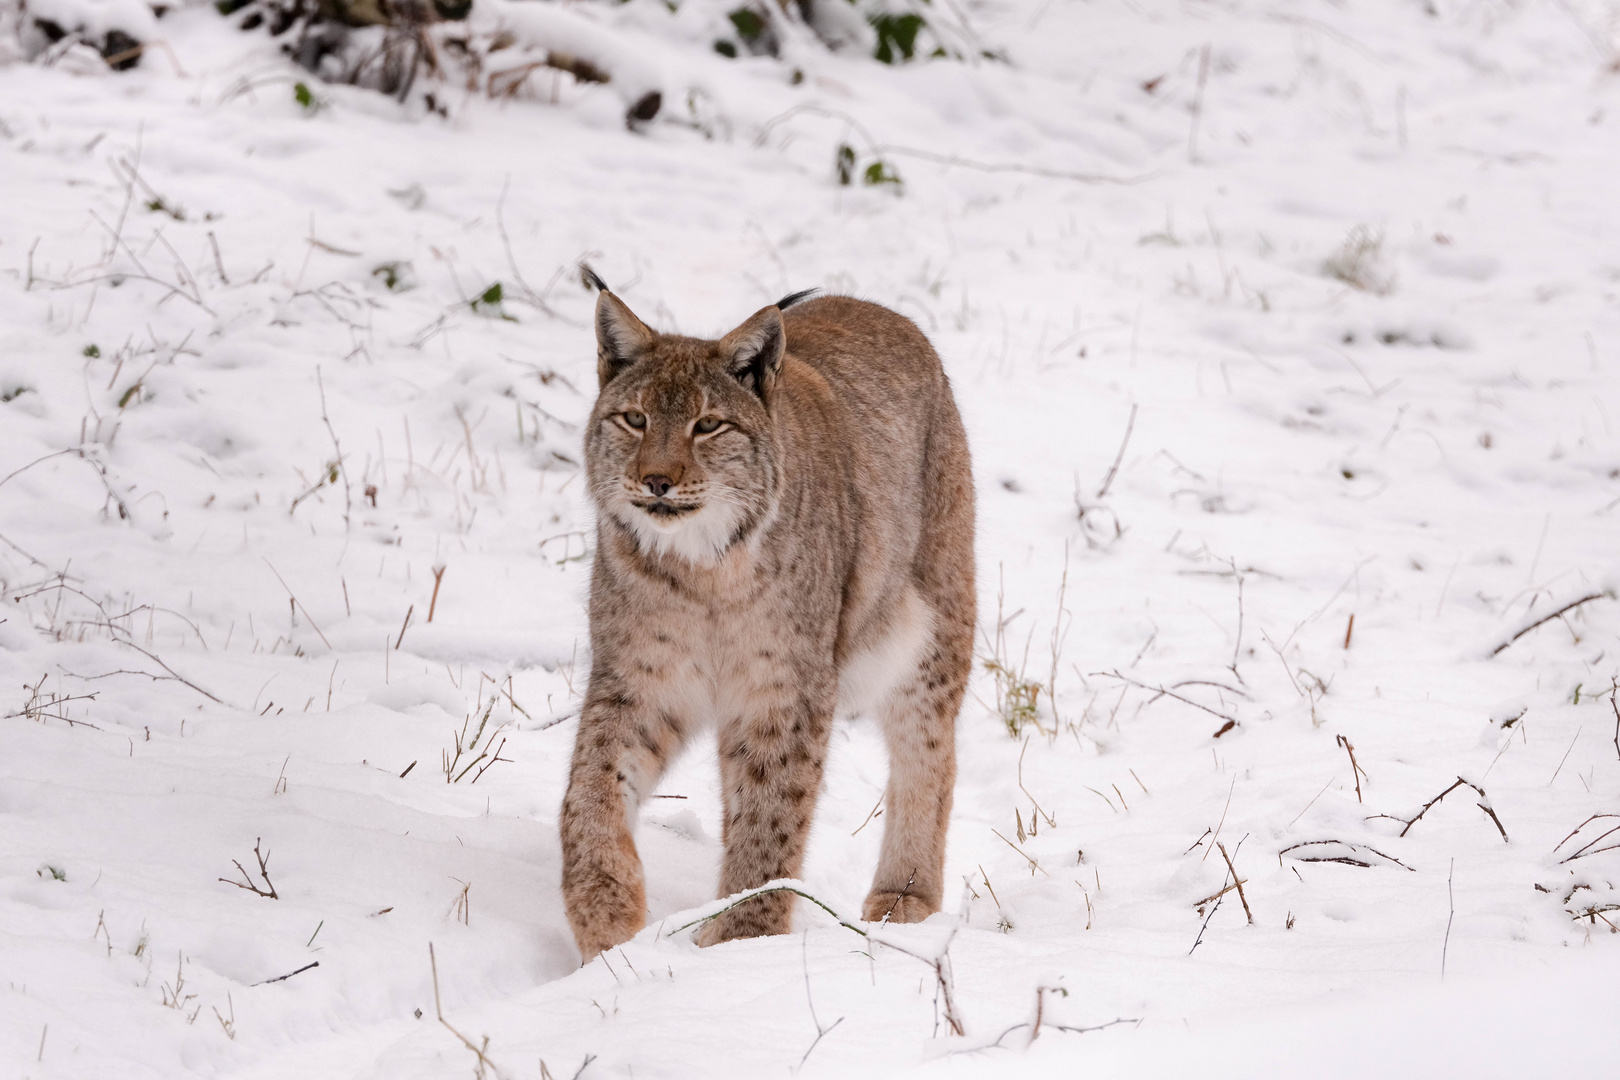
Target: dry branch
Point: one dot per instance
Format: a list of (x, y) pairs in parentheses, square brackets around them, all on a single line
[(1548, 618), (1484, 804), (1345, 859), (1163, 692), (247, 882), (1356, 771), (1237, 882)]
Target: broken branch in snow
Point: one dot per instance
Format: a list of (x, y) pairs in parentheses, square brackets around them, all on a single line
[(247, 882), (290, 974), (1348, 860), (1572, 605), (1484, 804)]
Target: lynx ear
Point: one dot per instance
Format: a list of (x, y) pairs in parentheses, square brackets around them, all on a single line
[(753, 352), (621, 338)]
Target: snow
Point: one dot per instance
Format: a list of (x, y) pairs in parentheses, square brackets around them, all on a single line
[(1118, 257)]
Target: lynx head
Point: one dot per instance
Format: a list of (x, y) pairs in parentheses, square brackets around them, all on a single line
[(681, 448)]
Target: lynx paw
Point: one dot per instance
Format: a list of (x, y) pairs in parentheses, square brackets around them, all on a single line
[(757, 917), (603, 913), (896, 908)]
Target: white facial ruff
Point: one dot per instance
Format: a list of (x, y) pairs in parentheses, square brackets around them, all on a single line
[(700, 538)]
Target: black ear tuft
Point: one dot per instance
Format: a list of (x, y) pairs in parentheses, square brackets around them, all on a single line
[(753, 352), (592, 278), (621, 338), (793, 298)]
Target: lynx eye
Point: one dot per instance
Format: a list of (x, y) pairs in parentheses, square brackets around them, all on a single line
[(707, 425), (635, 419)]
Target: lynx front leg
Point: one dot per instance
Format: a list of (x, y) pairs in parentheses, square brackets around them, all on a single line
[(919, 725), (770, 774), (620, 752)]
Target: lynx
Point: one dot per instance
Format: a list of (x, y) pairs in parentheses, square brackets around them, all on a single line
[(784, 528)]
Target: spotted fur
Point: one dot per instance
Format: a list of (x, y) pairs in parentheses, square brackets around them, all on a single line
[(815, 547)]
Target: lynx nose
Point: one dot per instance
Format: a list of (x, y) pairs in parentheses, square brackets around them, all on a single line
[(658, 484)]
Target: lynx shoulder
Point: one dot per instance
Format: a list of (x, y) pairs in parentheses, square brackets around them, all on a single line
[(784, 527)]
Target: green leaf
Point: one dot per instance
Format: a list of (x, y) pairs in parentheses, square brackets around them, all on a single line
[(748, 23), (129, 395), (92, 351), (846, 164), (726, 48), (896, 34), (492, 295), (878, 173), (304, 96)]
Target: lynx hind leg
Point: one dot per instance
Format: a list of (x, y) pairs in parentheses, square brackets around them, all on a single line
[(918, 716)]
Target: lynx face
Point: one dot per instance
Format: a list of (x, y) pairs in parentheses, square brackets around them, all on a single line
[(681, 447)]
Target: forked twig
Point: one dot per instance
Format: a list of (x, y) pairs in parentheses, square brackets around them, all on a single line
[(247, 882), (1484, 804), (1237, 882)]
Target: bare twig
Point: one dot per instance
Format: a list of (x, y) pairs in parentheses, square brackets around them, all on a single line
[(438, 576), (1484, 804), (337, 449), (1119, 457), (1548, 618), (479, 1051), (1236, 881), (1355, 770), (291, 596), (290, 974), (1587, 849), (1347, 860), (247, 882), (1451, 903), (1163, 692)]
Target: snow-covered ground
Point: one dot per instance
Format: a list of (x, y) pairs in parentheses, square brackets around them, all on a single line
[(1264, 317)]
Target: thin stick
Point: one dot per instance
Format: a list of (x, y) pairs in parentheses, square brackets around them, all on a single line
[(1355, 769), (1199, 939), (1237, 881), (1217, 895), (743, 898), (403, 626), (870, 815), (1119, 457), (1310, 804), (290, 974), (1452, 903), (1349, 628), (483, 1062), (1034, 864), (348, 504), (1614, 689), (438, 576), (1163, 692), (1565, 758), (299, 602), (1547, 618), (1229, 790)]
